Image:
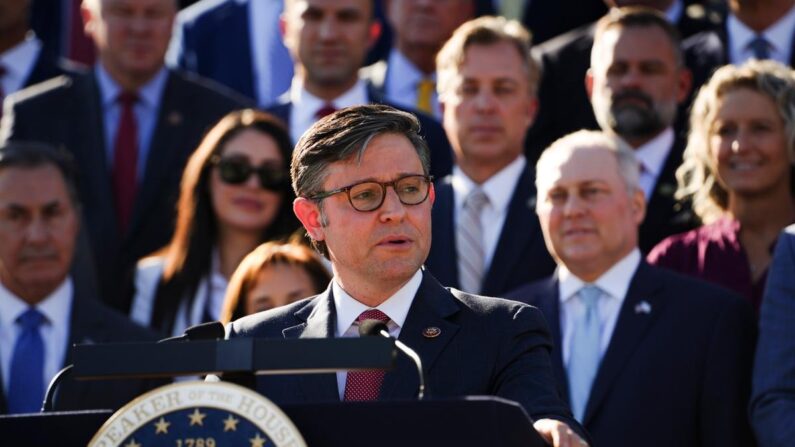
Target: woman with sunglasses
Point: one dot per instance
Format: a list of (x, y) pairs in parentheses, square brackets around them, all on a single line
[(235, 194)]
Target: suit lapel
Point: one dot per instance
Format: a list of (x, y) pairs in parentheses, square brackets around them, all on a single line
[(520, 226), (661, 213), (631, 328), (443, 259), (318, 320), (431, 307)]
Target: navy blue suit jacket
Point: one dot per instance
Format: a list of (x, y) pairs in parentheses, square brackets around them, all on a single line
[(91, 322), (66, 112), (487, 346), (430, 129), (213, 39), (677, 375), (521, 255), (773, 405)]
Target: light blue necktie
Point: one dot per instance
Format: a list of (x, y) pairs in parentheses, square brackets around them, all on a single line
[(585, 356), (26, 379), (760, 47)]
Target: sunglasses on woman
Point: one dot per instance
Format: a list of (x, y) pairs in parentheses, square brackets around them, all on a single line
[(236, 170)]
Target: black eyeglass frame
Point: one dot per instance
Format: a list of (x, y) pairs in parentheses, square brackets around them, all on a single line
[(262, 172), (347, 190)]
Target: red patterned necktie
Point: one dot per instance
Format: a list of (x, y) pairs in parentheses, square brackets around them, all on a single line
[(325, 111), (125, 160), (366, 384)]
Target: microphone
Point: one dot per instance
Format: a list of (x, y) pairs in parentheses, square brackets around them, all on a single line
[(378, 328), (212, 330)]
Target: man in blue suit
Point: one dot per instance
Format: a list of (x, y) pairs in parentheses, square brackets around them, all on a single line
[(487, 85), (773, 403), (364, 198), (645, 356), (328, 42)]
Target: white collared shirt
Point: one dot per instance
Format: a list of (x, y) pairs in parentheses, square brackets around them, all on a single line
[(18, 62), (779, 35), (146, 111), (499, 189), (305, 105), (348, 310), (651, 156), (402, 79), (57, 310), (614, 284)]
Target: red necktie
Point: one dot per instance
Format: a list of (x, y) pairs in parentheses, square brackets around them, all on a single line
[(324, 111), (366, 384), (125, 160)]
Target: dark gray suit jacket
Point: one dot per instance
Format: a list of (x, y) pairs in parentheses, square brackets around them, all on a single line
[(66, 112), (677, 375), (487, 346), (773, 404)]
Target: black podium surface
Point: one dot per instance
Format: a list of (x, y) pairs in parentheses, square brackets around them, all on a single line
[(471, 421)]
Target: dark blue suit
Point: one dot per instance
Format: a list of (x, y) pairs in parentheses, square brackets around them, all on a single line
[(487, 346), (521, 255), (213, 39), (677, 375), (430, 129), (773, 404)]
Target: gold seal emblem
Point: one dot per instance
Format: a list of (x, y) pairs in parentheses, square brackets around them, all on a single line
[(199, 414), (431, 332)]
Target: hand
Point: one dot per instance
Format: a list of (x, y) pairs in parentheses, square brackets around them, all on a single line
[(558, 434)]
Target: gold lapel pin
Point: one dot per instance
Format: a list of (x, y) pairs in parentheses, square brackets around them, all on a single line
[(431, 332)]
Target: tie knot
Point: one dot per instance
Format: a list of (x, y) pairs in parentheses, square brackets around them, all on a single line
[(31, 319), (589, 296), (760, 47), (372, 314), (127, 98), (476, 199), (324, 111)]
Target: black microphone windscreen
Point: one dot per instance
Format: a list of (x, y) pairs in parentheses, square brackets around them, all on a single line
[(372, 327), (211, 330)]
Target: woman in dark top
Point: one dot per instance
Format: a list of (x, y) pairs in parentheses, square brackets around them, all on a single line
[(738, 172)]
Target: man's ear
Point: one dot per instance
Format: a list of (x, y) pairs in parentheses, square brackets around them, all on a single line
[(374, 34), (589, 82), (87, 14), (308, 212), (638, 203)]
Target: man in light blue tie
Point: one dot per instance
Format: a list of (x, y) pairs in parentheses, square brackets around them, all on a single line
[(645, 356)]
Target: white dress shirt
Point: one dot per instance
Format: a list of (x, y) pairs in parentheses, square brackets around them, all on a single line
[(57, 310), (499, 189), (651, 157), (305, 105), (614, 284), (780, 35), (348, 310), (18, 62), (402, 79)]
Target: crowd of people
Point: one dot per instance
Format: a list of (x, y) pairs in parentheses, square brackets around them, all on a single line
[(622, 172)]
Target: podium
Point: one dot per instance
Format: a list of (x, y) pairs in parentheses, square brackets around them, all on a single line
[(465, 421)]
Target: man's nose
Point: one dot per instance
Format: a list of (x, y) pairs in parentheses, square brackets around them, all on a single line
[(37, 231), (392, 208)]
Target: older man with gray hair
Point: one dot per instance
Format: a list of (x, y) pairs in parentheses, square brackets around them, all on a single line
[(644, 356)]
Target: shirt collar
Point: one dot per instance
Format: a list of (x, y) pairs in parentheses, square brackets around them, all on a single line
[(395, 307), (56, 307), (498, 188), (148, 95), (405, 75), (19, 60), (614, 282), (305, 104), (778, 34), (652, 155)]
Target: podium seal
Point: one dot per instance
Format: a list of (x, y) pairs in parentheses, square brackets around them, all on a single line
[(199, 414)]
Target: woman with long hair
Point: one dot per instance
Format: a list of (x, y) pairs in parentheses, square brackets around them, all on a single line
[(235, 194), (738, 173)]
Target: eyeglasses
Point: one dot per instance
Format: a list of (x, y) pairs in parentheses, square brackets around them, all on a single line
[(236, 170), (369, 196)]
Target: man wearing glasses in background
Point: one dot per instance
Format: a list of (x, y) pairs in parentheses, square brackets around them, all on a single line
[(364, 198)]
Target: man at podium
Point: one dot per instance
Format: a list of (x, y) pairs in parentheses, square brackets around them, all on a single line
[(364, 198)]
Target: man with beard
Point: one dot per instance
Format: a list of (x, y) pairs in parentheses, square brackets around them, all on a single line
[(636, 80)]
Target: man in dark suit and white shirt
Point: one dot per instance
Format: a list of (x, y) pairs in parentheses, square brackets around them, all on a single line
[(131, 124), (364, 198), (486, 237), (645, 356), (636, 81), (43, 310)]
